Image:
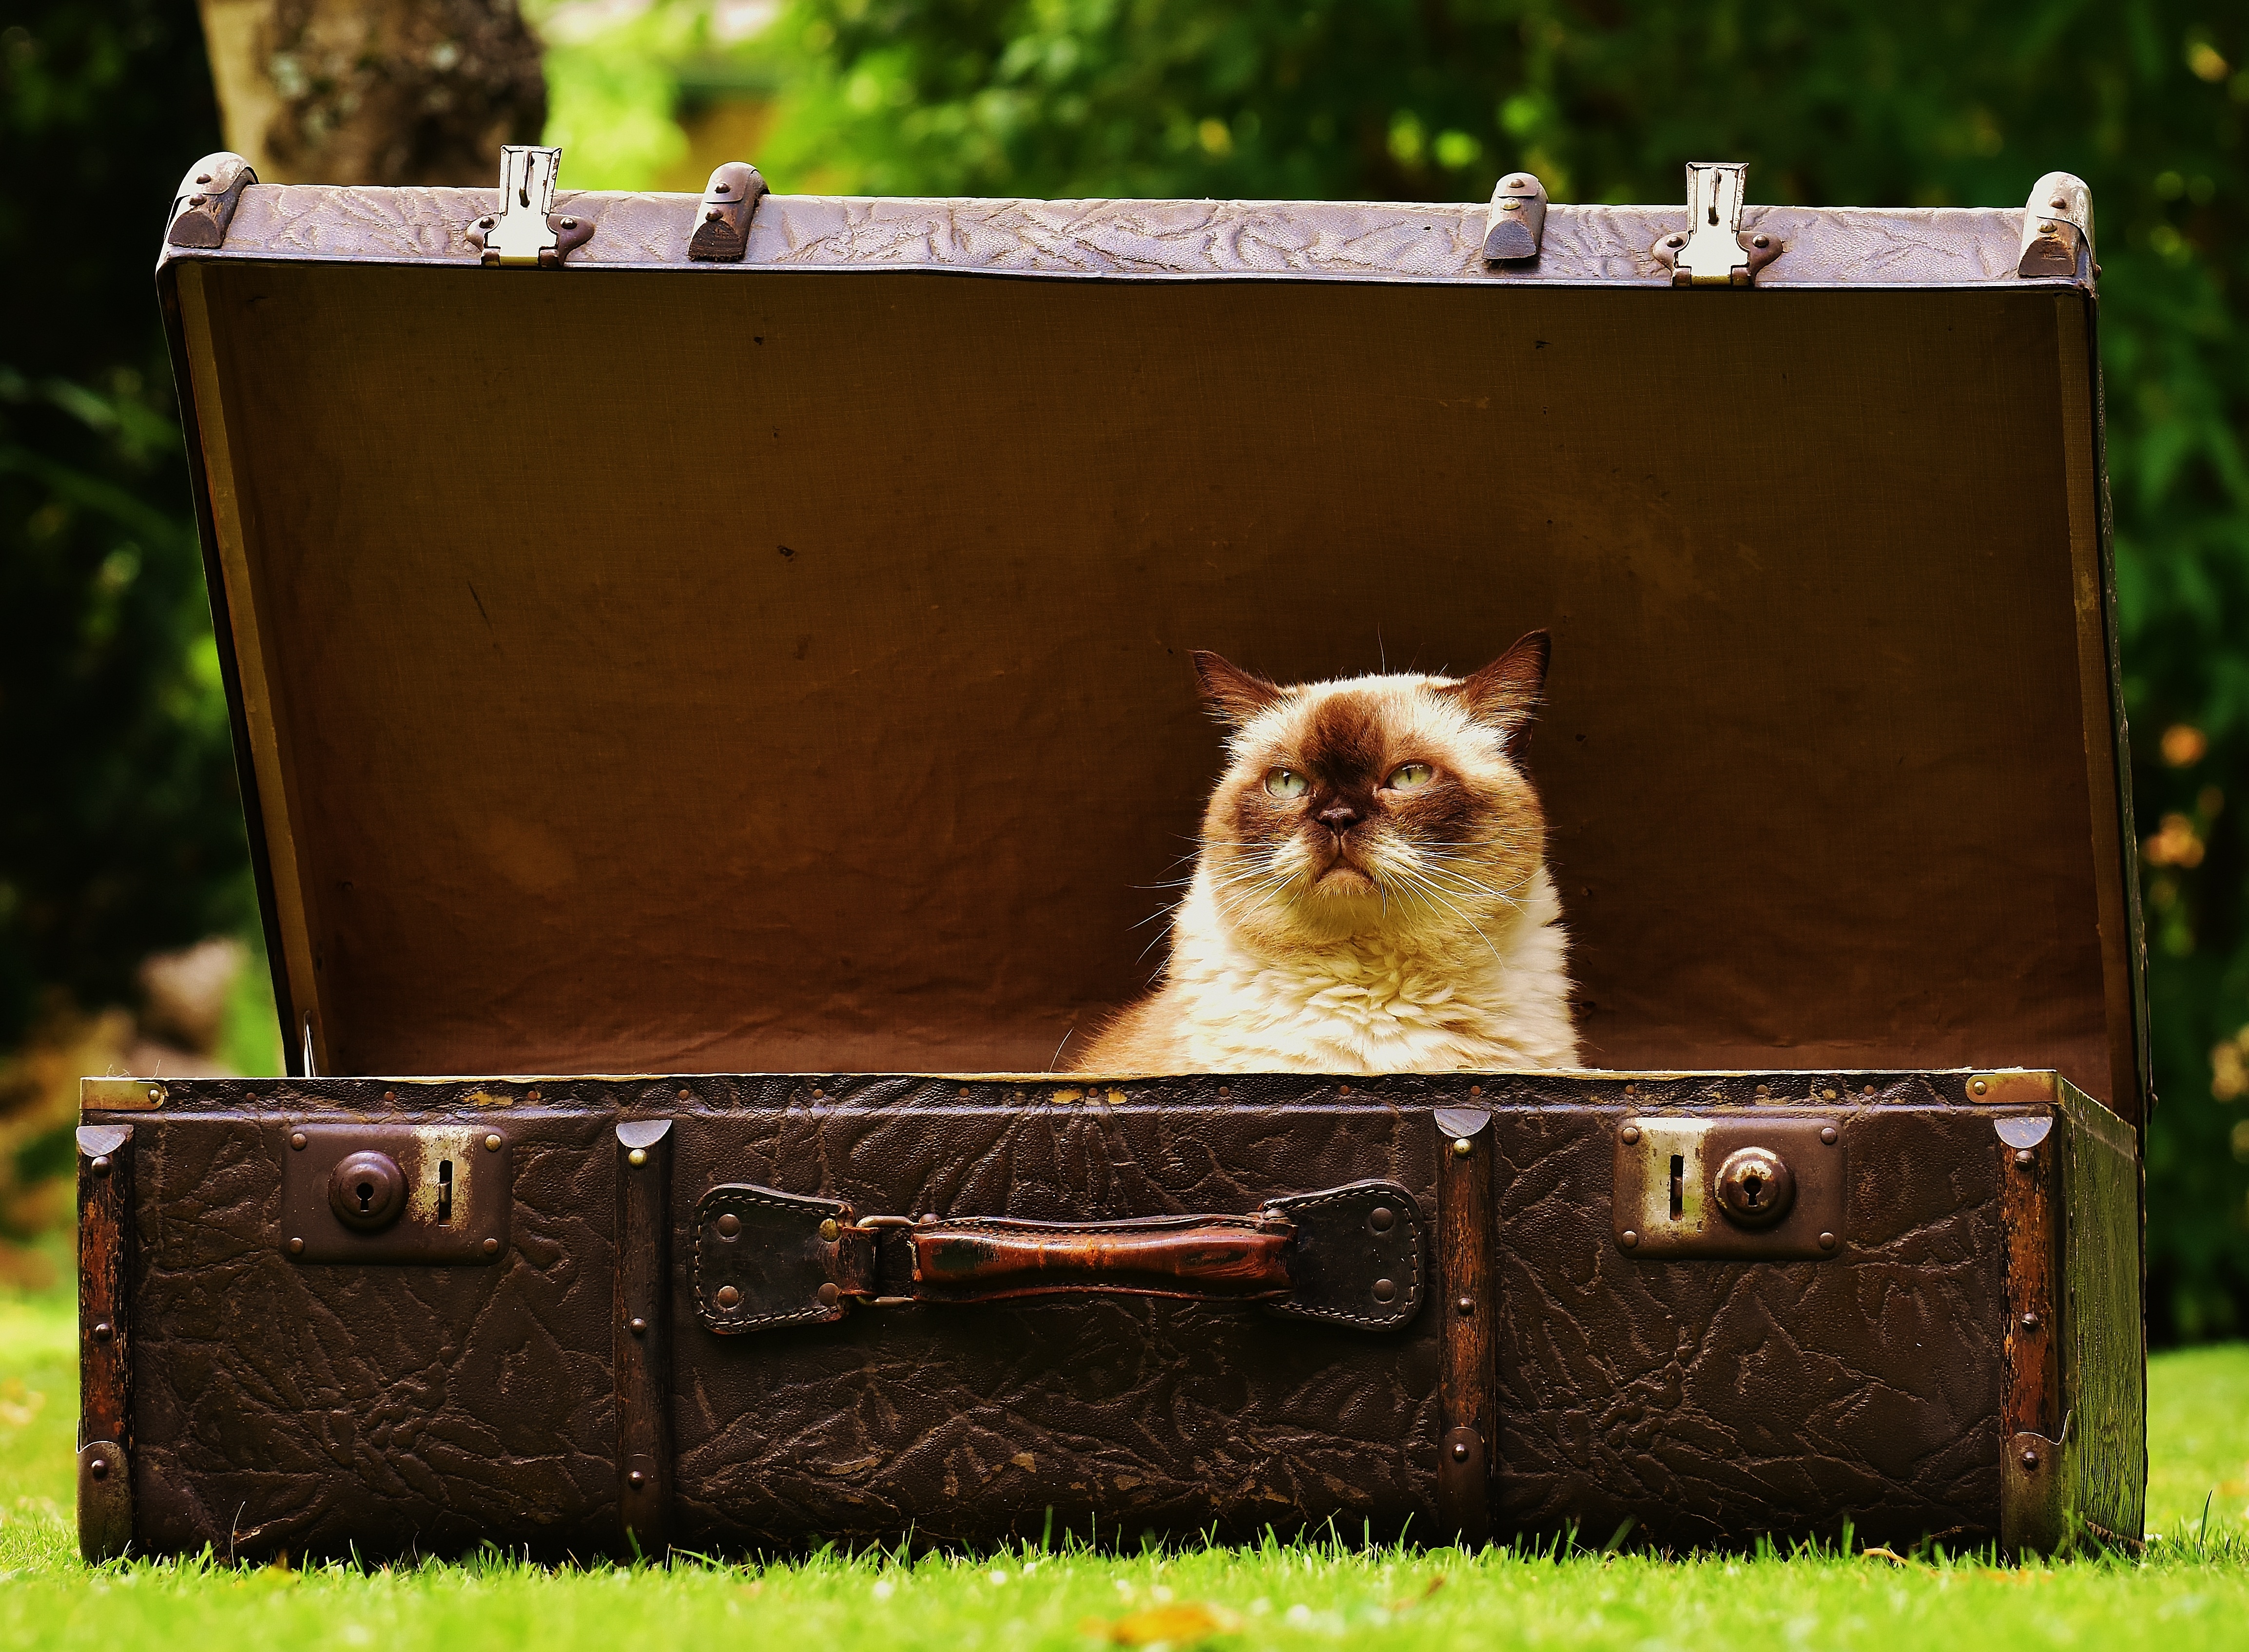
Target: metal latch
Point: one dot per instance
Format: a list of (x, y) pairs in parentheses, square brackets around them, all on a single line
[(527, 232), (1713, 251), (1747, 1185)]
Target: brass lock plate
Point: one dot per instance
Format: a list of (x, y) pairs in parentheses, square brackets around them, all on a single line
[(432, 1194), (1708, 1187)]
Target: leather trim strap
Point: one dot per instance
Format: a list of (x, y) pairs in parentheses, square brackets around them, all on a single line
[(105, 1429), (1466, 1380), (642, 1337)]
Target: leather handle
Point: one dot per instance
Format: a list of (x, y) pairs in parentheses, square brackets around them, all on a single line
[(1352, 1255), (988, 1260)]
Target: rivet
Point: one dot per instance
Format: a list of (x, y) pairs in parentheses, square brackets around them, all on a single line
[(637, 1157), (829, 1296), (1630, 1133), (1869, 1090), (99, 1468), (1978, 1086), (828, 1228), (636, 1478), (101, 1332), (1380, 1217), (492, 1247), (637, 1327), (928, 1218), (2030, 1322), (1343, 1089), (2061, 205), (1461, 1452), (1765, 1089), (2045, 226), (203, 177), (722, 188), (485, 223), (686, 1095), (491, 1143), (531, 1095), (1826, 1241), (156, 1095), (101, 1164), (964, 1092), (1463, 1146), (296, 1247), (2030, 1460), (568, 223), (1761, 241), (730, 1224), (297, 1140), (1224, 1091), (1826, 1095), (712, 216), (1628, 1240), (1827, 1133), (1675, 240), (1475, 1089), (388, 1097), (1632, 1089), (1465, 1306), (729, 1298), (197, 200), (2025, 1158), (1383, 1291)]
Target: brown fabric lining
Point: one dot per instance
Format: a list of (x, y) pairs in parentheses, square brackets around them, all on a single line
[(791, 672)]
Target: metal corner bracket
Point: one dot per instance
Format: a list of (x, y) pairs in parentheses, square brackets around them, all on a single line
[(2057, 227), (722, 218), (526, 232), (205, 203), (1712, 252), (1517, 220)]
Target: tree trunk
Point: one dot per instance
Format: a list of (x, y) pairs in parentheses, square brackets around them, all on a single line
[(374, 91)]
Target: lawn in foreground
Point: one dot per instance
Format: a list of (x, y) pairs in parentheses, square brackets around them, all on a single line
[(2191, 1591)]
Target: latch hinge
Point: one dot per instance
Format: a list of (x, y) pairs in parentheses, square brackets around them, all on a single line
[(527, 232), (1712, 252)]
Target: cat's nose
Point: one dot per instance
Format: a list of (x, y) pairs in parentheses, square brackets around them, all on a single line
[(1338, 818)]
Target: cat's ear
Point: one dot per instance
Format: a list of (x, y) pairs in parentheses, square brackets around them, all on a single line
[(1233, 695), (1505, 694)]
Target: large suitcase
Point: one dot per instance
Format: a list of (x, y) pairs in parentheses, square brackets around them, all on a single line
[(743, 641)]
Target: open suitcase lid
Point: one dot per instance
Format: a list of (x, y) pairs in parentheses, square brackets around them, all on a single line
[(780, 664)]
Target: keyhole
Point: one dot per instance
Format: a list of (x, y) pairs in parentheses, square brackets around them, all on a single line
[(1678, 1185), (366, 1197), (444, 1190), (1751, 1185)]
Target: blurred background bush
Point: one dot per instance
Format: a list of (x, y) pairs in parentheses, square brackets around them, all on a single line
[(128, 936)]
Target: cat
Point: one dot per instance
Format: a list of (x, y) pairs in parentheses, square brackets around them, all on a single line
[(1370, 892)]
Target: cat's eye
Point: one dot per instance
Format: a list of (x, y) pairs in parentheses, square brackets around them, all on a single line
[(1410, 775), (1286, 783)]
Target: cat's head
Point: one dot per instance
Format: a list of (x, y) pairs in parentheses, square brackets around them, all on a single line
[(1394, 804)]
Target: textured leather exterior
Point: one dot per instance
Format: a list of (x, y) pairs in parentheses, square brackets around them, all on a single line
[(279, 1405), (1357, 241)]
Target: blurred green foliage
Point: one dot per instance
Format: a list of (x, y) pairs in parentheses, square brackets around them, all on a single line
[(1833, 102), (119, 831)]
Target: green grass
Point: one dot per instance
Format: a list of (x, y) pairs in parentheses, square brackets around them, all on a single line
[(2191, 1590)]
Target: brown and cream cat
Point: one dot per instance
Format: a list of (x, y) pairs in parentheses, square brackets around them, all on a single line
[(1370, 894)]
